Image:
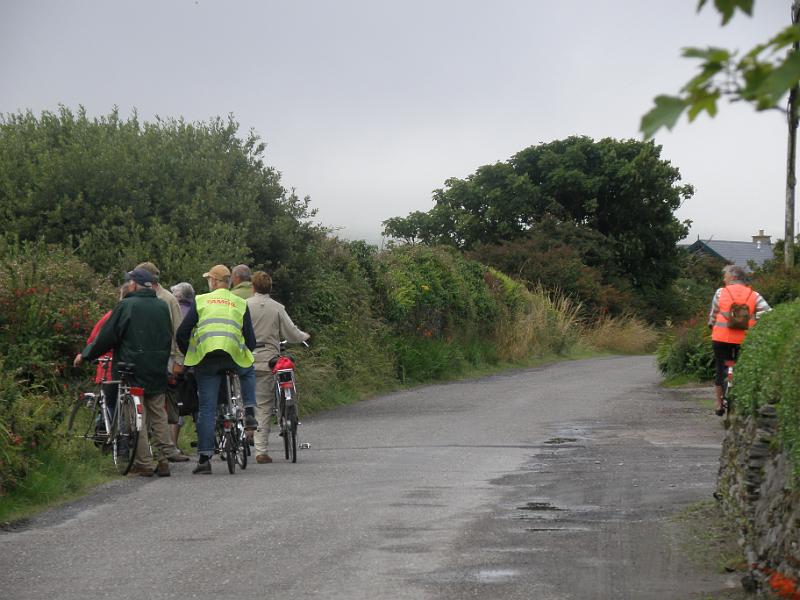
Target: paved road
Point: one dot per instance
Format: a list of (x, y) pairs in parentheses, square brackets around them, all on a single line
[(550, 483)]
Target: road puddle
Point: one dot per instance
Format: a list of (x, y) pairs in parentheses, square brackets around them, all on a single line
[(539, 506), (495, 575)]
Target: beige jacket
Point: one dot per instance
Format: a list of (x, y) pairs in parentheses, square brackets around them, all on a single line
[(271, 324), (175, 315)]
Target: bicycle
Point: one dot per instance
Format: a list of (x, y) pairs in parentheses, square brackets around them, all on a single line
[(285, 406), (231, 439), (120, 429)]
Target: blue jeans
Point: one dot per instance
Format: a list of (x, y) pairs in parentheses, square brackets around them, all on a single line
[(209, 374)]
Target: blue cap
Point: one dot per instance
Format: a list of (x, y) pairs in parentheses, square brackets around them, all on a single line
[(141, 277)]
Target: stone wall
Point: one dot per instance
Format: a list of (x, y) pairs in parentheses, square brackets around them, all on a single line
[(755, 489)]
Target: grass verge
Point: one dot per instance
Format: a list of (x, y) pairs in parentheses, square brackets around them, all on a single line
[(62, 473), (711, 543)]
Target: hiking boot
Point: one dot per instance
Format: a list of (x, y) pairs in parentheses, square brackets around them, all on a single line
[(250, 423), (202, 468), (263, 459), (178, 457), (162, 470), (141, 471)]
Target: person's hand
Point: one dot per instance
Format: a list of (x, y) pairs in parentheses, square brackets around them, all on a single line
[(78, 360), (177, 369)]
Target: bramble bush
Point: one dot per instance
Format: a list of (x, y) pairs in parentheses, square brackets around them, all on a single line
[(49, 301), (686, 350)]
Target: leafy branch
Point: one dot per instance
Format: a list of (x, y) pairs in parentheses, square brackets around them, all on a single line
[(762, 76)]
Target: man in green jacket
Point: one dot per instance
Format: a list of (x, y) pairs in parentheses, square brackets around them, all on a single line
[(140, 332)]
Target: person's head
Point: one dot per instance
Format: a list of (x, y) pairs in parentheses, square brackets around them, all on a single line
[(183, 291), (152, 269), (218, 276), (240, 273), (262, 282), (136, 280), (731, 273)]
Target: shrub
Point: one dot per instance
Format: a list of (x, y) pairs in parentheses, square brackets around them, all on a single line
[(686, 350), (435, 292), (776, 283), (350, 342), (27, 421), (768, 372), (49, 301)]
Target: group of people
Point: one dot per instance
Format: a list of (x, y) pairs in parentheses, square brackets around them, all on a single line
[(238, 326), (176, 333)]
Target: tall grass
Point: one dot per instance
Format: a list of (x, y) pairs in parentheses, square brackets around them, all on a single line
[(541, 324), (624, 335)]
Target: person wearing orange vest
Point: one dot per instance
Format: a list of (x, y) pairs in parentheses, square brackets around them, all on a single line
[(725, 339)]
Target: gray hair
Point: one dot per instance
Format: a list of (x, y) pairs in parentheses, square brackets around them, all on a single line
[(242, 272), (735, 272), (183, 291)]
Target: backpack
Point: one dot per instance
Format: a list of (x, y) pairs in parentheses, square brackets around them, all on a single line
[(739, 316)]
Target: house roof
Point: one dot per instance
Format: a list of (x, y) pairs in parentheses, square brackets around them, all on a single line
[(738, 253)]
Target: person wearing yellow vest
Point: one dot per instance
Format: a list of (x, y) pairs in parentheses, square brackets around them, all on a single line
[(217, 335), (725, 339)]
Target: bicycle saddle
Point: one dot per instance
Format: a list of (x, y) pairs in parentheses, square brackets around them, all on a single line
[(124, 367)]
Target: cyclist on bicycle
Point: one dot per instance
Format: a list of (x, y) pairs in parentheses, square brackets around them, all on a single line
[(271, 324), (217, 335), (725, 340), (139, 332)]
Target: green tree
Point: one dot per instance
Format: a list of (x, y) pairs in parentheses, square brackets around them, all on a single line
[(118, 191), (620, 189)]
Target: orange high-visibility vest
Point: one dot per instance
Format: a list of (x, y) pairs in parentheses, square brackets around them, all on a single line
[(740, 294)]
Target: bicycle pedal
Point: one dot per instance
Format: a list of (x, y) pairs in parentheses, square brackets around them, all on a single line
[(305, 446)]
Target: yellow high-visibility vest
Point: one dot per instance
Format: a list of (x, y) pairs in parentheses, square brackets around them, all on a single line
[(219, 327)]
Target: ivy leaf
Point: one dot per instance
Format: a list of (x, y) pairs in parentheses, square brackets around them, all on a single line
[(664, 114)]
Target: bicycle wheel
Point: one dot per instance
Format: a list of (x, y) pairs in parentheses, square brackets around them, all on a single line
[(243, 449), (727, 398), (124, 435), (290, 439), (229, 444)]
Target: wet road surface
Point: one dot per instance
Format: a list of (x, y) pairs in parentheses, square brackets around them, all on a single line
[(558, 482)]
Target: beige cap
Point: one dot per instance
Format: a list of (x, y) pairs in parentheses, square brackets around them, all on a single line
[(148, 266), (218, 272)]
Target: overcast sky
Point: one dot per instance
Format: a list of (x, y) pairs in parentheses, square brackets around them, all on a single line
[(369, 105)]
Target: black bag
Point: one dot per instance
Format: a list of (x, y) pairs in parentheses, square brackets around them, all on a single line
[(186, 388), (739, 317)]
